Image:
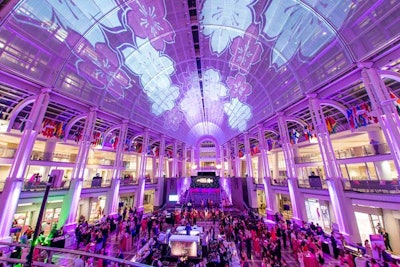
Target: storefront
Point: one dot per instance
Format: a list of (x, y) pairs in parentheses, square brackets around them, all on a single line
[(285, 206), (318, 211), (27, 215), (369, 220)]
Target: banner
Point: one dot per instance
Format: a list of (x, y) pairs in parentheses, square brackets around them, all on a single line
[(377, 245), (360, 116)]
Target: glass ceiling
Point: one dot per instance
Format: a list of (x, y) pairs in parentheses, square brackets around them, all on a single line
[(192, 68)]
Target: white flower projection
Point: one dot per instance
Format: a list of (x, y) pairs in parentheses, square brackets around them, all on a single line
[(213, 88), (191, 104), (154, 70), (224, 20), (301, 30), (238, 113)]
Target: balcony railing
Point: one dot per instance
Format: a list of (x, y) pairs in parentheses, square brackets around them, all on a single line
[(7, 153), (96, 183), (279, 181), (56, 157), (352, 152), (151, 180), (312, 183), (129, 181), (308, 158), (258, 180), (98, 161), (41, 186), (362, 151), (372, 186)]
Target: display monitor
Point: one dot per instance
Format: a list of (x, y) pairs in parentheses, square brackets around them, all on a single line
[(174, 198)]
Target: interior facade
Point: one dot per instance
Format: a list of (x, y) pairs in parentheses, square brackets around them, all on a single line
[(298, 99)]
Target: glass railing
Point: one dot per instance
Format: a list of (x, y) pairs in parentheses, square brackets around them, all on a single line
[(279, 181), (258, 180), (312, 183), (56, 157), (362, 151), (96, 183), (151, 180), (308, 158), (98, 161), (129, 181), (7, 153), (372, 186), (41, 186)]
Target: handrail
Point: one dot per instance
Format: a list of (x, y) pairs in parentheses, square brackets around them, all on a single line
[(66, 251)]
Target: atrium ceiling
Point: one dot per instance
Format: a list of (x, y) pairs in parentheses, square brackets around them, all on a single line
[(192, 68)]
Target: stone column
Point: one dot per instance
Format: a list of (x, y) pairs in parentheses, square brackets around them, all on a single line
[(229, 159), (184, 160), (70, 203), (112, 200), (222, 161), (15, 180), (384, 109), (175, 160), (159, 194), (270, 198), (193, 161), (341, 205), (251, 187), (296, 198), (139, 195), (237, 159)]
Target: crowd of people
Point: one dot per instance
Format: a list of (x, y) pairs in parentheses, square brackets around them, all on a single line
[(252, 238)]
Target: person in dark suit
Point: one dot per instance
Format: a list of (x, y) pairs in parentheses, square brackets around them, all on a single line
[(386, 239)]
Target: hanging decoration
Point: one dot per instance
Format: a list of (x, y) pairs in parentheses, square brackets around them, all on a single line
[(77, 136), (396, 101), (97, 139), (294, 136), (254, 149), (360, 116), (331, 124)]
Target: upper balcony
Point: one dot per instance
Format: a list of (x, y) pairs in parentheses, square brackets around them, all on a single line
[(351, 152)]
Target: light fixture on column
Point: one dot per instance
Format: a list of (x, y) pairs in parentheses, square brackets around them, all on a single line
[(194, 166), (218, 166)]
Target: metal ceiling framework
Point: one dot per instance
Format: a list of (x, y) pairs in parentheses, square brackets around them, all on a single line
[(275, 95)]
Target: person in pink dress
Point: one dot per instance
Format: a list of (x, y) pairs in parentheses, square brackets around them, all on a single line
[(257, 247)]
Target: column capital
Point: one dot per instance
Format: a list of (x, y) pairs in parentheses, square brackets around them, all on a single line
[(46, 90), (280, 114), (312, 95), (365, 64), (125, 121), (94, 109)]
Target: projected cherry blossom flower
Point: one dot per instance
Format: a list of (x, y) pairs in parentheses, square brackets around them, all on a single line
[(225, 20), (147, 18), (162, 96), (238, 114), (246, 51), (148, 63), (302, 31), (101, 68), (213, 88), (173, 118), (238, 87), (191, 104)]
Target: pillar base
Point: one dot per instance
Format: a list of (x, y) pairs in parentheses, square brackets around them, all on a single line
[(68, 228), (297, 221), (6, 239)]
